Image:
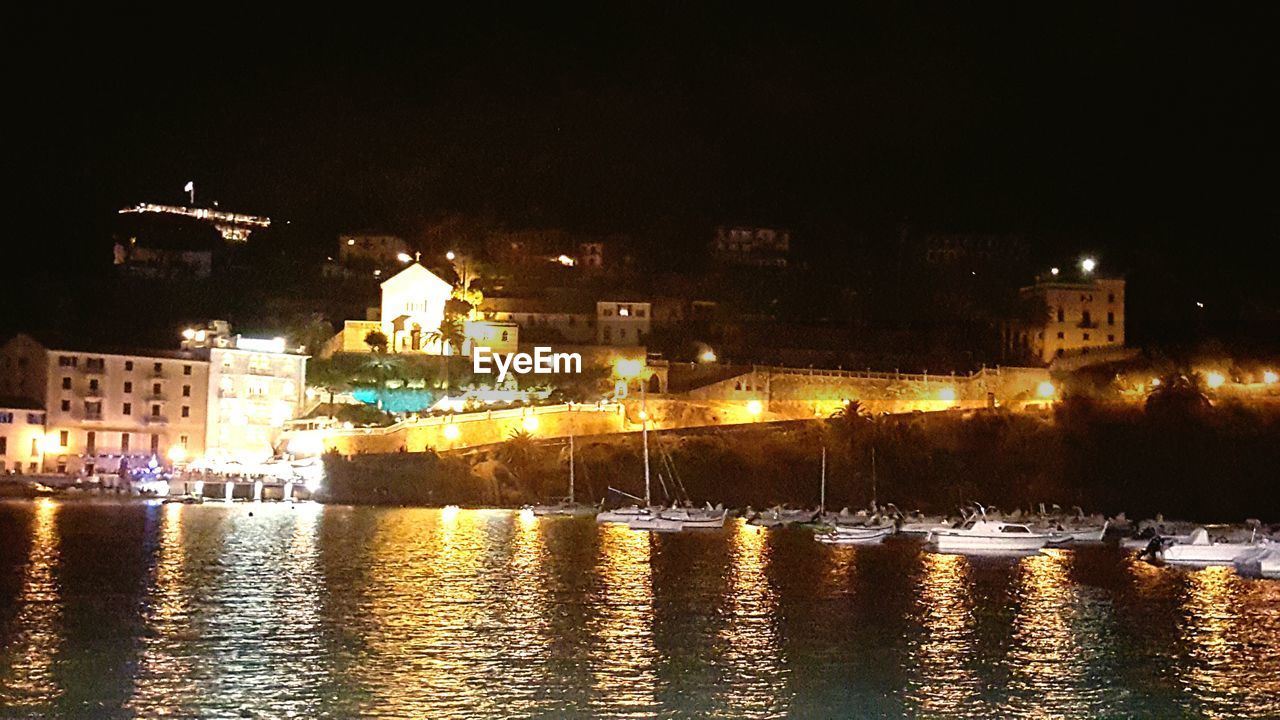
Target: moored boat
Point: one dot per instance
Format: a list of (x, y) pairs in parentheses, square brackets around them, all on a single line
[(855, 535), (1263, 561), (983, 535), (1199, 549)]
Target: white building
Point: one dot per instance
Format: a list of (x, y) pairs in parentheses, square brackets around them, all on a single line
[(622, 323), (1085, 316), (21, 436)]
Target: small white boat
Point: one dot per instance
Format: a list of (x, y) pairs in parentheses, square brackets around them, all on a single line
[(855, 535), (1263, 561), (690, 518), (655, 523), (624, 515), (1200, 549), (565, 509), (982, 535), (1071, 534), (775, 516)]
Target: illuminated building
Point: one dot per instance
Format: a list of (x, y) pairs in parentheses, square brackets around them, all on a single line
[(108, 407), (254, 386), (413, 304), (622, 323), (21, 435), (544, 320), (1084, 315), (371, 248)]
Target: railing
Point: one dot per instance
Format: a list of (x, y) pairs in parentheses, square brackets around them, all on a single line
[(155, 420), (607, 408)]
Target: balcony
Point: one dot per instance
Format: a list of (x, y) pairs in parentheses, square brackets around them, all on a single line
[(156, 397), (92, 416), (1087, 324), (155, 420), (92, 369), (157, 374)]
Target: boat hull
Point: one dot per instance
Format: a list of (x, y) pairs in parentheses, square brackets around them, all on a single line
[(1211, 554), (967, 543), (854, 536)]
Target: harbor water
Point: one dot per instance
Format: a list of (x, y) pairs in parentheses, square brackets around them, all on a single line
[(133, 609)]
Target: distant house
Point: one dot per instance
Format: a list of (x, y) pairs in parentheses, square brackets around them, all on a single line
[(751, 246)]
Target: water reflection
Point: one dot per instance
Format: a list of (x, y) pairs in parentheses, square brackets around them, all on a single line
[(623, 659), (1234, 645), (28, 678), (946, 683), (757, 678)]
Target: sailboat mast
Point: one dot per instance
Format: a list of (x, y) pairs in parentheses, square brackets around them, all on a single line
[(570, 467), (644, 433), (822, 496), (873, 474)]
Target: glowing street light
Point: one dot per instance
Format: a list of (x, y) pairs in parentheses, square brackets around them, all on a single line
[(1215, 380), (451, 255), (404, 257), (1054, 271), (1269, 377), (1045, 389), (627, 368), (566, 261), (707, 356), (189, 334), (530, 423), (451, 432), (947, 394), (177, 454), (1088, 264), (755, 407)]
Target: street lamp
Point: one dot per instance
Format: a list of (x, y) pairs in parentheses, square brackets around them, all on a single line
[(1088, 264), (404, 257), (450, 256)]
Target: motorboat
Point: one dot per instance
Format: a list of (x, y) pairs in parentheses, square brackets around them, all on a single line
[(1198, 549), (1263, 561), (855, 535), (777, 515), (691, 518), (625, 515), (981, 534), (1079, 533)]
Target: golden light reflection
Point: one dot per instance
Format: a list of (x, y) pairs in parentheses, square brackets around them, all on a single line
[(1048, 658), (1234, 642), (623, 659), (28, 677), (751, 634), (946, 680)]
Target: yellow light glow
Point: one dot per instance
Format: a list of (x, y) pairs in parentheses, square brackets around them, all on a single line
[(644, 415), (755, 407), (177, 454), (189, 333), (1045, 389), (449, 513), (530, 423), (565, 260), (404, 257), (1088, 264), (1155, 382), (527, 516), (628, 368), (451, 432), (450, 255), (1215, 380), (1269, 377), (947, 394), (51, 443), (707, 356), (351, 242)]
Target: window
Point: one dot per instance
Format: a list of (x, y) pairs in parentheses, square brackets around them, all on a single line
[(186, 369), (128, 365), (155, 411), (124, 442), (1061, 335), (66, 383), (186, 411), (93, 410), (127, 409), (4, 446), (66, 406), (155, 443), (1061, 314), (158, 367), (186, 391), (64, 438), (35, 447), (1086, 318), (90, 442), (35, 419), (608, 334), (155, 389), (504, 336), (6, 418), (1060, 352), (1111, 318), (1086, 336), (1111, 297), (1111, 338), (182, 440), (95, 364), (93, 386), (128, 387), (66, 361)]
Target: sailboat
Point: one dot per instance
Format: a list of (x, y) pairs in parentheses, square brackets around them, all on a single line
[(569, 506), (646, 517)]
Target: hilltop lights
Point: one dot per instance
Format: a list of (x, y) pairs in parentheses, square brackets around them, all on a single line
[(1215, 380), (530, 423), (189, 334), (1269, 377), (947, 394), (1088, 264), (1045, 389), (450, 256), (755, 407), (451, 432), (627, 368), (1054, 271), (404, 257), (707, 356), (566, 261)]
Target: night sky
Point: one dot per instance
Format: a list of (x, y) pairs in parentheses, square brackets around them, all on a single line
[(1150, 126)]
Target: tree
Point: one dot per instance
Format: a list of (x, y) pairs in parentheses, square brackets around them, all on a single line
[(377, 370), (376, 340), (450, 335), (310, 333), (328, 375)]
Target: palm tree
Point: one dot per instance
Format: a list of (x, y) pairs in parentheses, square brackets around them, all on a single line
[(1178, 391), (450, 335), (327, 375), (311, 333)]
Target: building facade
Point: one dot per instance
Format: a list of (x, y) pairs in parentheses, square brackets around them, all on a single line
[(22, 436), (1084, 315), (623, 323), (752, 246)]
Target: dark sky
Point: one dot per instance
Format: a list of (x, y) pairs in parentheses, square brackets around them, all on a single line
[(1152, 123)]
